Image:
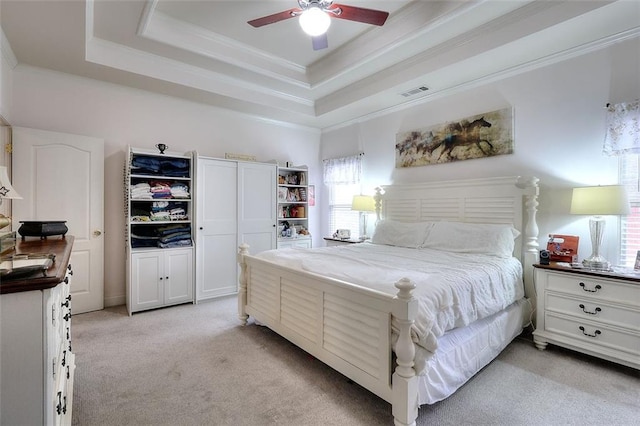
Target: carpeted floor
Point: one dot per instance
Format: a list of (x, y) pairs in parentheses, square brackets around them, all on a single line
[(195, 365)]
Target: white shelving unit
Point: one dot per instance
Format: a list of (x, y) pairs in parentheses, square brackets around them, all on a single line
[(159, 233), (293, 207)]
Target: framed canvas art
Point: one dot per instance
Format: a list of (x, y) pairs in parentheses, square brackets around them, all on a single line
[(478, 136)]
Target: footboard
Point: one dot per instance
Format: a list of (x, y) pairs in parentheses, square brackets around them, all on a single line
[(343, 325)]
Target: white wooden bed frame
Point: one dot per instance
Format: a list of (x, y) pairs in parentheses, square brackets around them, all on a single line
[(328, 318)]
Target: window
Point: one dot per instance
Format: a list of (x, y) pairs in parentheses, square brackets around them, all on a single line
[(623, 138), (342, 177), (630, 225), (340, 214)]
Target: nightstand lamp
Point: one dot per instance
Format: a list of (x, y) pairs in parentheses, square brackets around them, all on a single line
[(599, 201), (6, 191), (365, 205)]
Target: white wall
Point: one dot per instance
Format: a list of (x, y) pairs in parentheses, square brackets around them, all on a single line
[(60, 102), (559, 129)]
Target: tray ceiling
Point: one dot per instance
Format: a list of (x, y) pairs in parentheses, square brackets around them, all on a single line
[(205, 51)]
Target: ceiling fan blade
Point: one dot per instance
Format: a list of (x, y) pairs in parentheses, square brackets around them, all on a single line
[(276, 17), (360, 14), (320, 42)]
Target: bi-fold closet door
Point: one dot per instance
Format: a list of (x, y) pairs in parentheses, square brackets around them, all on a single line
[(235, 204)]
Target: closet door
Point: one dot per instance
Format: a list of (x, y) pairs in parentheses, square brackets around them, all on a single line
[(216, 228), (256, 206), (61, 177)]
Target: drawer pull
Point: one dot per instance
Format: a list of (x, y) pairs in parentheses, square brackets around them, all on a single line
[(59, 405), (595, 290), (595, 334), (66, 280), (595, 312)]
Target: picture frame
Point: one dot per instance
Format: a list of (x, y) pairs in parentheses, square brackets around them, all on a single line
[(311, 195), (283, 194), (294, 195)]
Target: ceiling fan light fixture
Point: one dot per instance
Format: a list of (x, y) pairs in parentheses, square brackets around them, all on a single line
[(314, 21)]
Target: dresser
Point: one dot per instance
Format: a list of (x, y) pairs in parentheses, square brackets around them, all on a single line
[(596, 313), (36, 359)]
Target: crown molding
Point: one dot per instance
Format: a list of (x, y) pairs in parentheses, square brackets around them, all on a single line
[(494, 77), (125, 58)]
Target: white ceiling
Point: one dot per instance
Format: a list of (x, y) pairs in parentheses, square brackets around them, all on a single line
[(205, 51)]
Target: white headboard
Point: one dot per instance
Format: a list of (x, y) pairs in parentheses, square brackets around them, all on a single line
[(510, 200)]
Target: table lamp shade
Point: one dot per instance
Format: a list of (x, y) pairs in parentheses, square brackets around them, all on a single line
[(600, 200), (363, 203), (6, 190)]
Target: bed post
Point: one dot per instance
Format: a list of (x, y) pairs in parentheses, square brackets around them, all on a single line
[(242, 291), (404, 380), (530, 244), (378, 201)]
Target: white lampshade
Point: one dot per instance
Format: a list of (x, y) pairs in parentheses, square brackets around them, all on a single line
[(600, 200), (6, 190), (363, 203), (314, 21)]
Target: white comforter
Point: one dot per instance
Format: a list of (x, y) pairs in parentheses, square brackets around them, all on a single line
[(453, 289)]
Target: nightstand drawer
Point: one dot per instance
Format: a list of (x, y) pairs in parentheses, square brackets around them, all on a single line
[(596, 334), (594, 310), (583, 285)]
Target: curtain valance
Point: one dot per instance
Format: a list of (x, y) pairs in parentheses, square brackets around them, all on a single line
[(623, 129), (343, 171)]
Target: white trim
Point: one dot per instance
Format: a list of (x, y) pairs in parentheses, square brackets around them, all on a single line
[(500, 75)]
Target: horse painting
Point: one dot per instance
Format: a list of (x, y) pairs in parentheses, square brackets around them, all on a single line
[(485, 135)]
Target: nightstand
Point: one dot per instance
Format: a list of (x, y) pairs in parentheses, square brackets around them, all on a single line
[(330, 241), (597, 313)]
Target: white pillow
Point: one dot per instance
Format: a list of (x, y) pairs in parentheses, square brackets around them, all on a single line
[(401, 234), (482, 238)]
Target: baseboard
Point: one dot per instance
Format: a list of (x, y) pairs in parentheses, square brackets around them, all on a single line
[(115, 301)]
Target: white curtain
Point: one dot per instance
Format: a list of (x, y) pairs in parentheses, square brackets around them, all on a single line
[(623, 129), (343, 171)]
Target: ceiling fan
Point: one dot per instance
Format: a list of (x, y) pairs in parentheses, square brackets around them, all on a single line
[(315, 18)]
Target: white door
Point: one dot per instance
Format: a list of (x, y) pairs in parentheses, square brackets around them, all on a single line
[(61, 177), (216, 228), (257, 206)]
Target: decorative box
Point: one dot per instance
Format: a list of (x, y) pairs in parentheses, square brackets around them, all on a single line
[(42, 229)]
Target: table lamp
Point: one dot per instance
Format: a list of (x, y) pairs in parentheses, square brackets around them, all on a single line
[(365, 205), (6, 191), (598, 201)]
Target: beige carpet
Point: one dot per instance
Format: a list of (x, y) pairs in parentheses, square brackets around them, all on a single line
[(195, 365)]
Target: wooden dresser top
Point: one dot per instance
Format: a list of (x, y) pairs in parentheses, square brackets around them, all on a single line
[(58, 246)]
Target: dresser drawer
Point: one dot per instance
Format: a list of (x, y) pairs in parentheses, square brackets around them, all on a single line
[(598, 288), (598, 311), (593, 333)]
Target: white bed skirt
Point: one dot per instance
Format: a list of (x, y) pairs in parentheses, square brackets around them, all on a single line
[(463, 352)]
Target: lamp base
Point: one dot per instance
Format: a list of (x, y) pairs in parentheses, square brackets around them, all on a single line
[(597, 263), (4, 221)]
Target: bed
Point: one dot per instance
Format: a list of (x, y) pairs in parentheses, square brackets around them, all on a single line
[(381, 324)]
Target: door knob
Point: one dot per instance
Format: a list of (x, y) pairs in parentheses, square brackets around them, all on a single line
[(97, 233)]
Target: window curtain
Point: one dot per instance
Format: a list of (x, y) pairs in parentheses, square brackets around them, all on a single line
[(343, 171), (623, 129)]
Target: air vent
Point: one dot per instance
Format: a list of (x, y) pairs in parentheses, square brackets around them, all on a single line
[(415, 91)]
